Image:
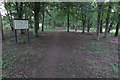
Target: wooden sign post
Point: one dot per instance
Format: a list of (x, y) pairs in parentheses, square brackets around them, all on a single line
[(21, 24)]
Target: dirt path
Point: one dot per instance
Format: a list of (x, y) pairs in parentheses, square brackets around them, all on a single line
[(52, 57), (58, 50), (67, 56)]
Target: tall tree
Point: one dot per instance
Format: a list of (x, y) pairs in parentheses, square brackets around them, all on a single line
[(19, 8), (36, 10), (117, 26), (43, 16), (111, 24), (101, 23), (83, 21), (88, 25), (107, 21), (98, 20), (68, 10), (1, 26), (118, 19)]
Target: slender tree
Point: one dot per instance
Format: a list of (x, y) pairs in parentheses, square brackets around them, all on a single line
[(111, 24), (117, 26), (88, 25), (83, 22), (43, 16), (36, 17), (1, 26), (98, 20), (107, 21), (68, 10), (101, 23), (117, 29)]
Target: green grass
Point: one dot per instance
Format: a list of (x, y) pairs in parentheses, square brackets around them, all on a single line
[(70, 30), (103, 74), (91, 40), (97, 50), (66, 67), (9, 59), (114, 68), (39, 31), (13, 43), (92, 61), (10, 43)]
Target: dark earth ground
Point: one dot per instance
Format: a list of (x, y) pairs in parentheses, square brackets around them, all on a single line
[(60, 55)]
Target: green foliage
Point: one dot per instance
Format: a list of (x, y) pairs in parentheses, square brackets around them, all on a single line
[(56, 13)]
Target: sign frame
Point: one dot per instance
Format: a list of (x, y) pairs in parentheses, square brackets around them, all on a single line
[(20, 23), (15, 30)]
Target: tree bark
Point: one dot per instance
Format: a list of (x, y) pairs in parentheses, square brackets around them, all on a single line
[(83, 27), (83, 20), (101, 17), (118, 26), (36, 17), (68, 24), (110, 27), (36, 24), (43, 23), (19, 8), (101, 23), (88, 26), (1, 26), (43, 15), (30, 18), (117, 29), (20, 14), (98, 21), (107, 22)]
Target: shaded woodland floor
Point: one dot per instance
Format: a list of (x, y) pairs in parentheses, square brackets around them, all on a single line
[(60, 55)]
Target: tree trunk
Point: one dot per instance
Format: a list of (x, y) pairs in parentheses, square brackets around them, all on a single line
[(19, 7), (110, 27), (43, 23), (83, 31), (117, 29), (68, 24), (20, 14), (101, 23), (30, 18), (98, 21), (107, 22), (1, 26), (118, 26), (88, 26), (43, 15), (83, 20), (36, 17), (76, 19)]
